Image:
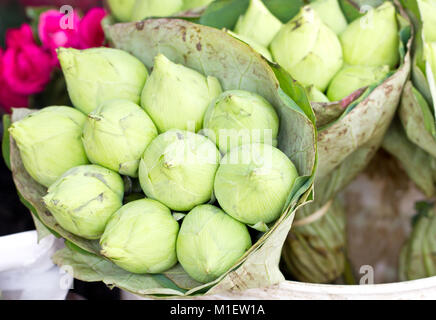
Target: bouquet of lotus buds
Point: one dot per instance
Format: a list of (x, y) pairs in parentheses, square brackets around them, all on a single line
[(175, 172)]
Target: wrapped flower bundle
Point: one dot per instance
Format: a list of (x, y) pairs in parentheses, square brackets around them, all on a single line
[(182, 168), (354, 75)]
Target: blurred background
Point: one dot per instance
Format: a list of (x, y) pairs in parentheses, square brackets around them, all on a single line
[(14, 216)]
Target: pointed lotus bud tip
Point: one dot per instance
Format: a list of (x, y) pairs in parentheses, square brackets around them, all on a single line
[(308, 49), (364, 44), (331, 14), (96, 75), (315, 95), (176, 97), (258, 24)]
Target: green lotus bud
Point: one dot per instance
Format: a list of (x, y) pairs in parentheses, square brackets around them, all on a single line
[(427, 10), (193, 4), (141, 237), (155, 8), (254, 45), (331, 14), (372, 40), (116, 134), (239, 117), (49, 142), (253, 182), (258, 24), (417, 259), (351, 78), (97, 75), (308, 49), (121, 9), (210, 242), (178, 169), (83, 199), (315, 95), (177, 97)]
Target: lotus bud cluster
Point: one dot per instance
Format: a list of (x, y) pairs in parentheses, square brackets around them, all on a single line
[(169, 130), (49, 142), (319, 49)]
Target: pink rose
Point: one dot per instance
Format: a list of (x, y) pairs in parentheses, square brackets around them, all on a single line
[(53, 35), (8, 97), (19, 36), (26, 66), (90, 30)]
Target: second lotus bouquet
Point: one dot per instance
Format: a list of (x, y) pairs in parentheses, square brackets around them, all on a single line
[(178, 170), (353, 64)]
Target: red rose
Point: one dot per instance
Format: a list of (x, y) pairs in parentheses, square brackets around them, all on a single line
[(8, 97), (90, 30), (26, 66)]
